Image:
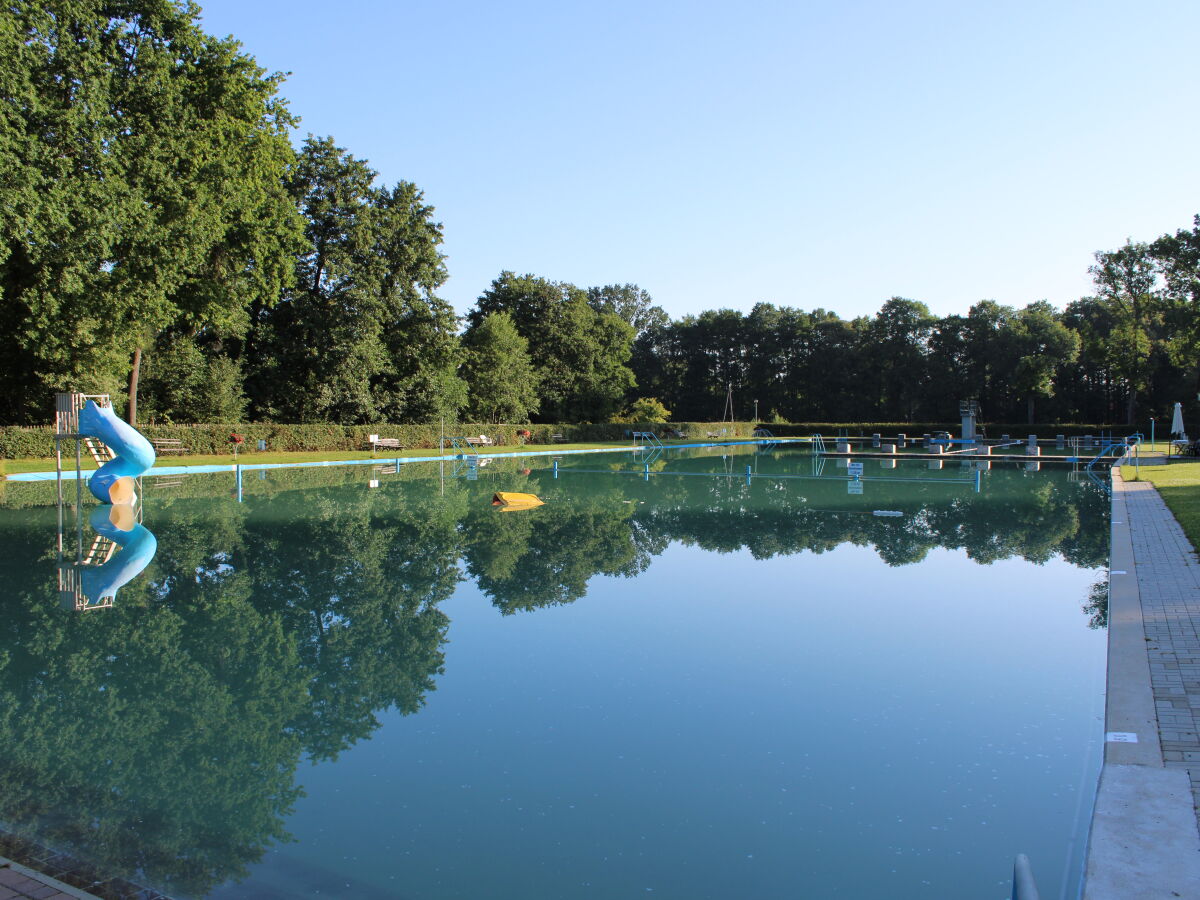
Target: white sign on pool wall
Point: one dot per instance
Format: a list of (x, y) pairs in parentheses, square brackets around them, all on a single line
[(855, 469), (854, 487)]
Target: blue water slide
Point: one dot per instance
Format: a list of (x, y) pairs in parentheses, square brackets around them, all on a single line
[(133, 455), (137, 544)]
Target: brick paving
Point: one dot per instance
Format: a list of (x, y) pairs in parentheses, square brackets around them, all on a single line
[(15, 885), (77, 878), (1168, 576)]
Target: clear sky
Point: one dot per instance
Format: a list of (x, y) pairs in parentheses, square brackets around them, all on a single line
[(807, 154)]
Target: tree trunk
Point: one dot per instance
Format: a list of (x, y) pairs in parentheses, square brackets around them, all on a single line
[(134, 374), (1131, 405), (1030, 408)]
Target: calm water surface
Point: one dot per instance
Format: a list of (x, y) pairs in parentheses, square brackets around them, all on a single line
[(666, 682)]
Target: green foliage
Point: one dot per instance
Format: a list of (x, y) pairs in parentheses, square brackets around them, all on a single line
[(646, 410), (629, 303), (502, 385), (141, 168), (579, 354), (361, 336)]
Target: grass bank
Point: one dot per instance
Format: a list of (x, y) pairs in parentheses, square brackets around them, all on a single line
[(1179, 486)]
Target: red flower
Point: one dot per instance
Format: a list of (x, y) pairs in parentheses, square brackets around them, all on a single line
[(235, 438)]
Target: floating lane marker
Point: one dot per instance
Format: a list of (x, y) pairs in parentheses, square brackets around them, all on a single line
[(1121, 737), (1117, 572)]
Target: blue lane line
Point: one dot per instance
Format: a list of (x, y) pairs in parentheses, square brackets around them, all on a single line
[(383, 460)]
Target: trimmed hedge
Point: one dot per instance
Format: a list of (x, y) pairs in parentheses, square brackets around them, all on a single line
[(17, 442)]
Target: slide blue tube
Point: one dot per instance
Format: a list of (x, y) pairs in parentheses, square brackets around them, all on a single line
[(138, 547), (133, 455)]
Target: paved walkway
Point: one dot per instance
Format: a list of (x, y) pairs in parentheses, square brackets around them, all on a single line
[(1168, 576), (20, 883)]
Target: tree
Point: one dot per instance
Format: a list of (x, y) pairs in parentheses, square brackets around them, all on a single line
[(580, 355), (361, 334), (141, 162), (899, 335), (1126, 279), (419, 382), (1042, 344), (1177, 256), (645, 410), (501, 383), (629, 303)]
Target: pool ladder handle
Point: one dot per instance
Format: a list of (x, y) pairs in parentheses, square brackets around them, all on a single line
[(1024, 887)]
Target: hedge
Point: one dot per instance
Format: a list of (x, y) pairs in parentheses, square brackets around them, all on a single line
[(17, 442)]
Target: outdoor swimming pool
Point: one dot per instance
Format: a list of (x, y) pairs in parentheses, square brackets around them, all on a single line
[(674, 679)]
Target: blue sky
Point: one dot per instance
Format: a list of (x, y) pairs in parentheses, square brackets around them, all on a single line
[(811, 155)]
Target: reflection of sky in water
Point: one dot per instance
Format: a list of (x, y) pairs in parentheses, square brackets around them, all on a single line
[(803, 724)]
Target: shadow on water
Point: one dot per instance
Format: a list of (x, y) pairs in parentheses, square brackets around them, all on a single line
[(160, 739)]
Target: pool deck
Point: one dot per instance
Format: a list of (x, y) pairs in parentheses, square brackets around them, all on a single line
[(1145, 841), (17, 882)]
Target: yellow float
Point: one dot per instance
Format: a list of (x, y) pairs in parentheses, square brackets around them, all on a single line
[(509, 501)]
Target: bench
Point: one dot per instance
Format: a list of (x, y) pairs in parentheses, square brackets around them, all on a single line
[(168, 446), (386, 443), (482, 441), (556, 438)]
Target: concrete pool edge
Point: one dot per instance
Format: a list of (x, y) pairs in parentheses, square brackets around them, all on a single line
[(1143, 841), (69, 474)]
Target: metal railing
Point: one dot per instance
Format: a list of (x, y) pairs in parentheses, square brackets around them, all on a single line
[(1024, 887)]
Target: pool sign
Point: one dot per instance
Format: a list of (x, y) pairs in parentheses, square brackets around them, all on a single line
[(854, 487), (854, 469)]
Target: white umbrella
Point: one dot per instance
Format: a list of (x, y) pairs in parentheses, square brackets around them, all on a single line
[(1177, 422)]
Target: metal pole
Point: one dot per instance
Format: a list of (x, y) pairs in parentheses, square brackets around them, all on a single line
[(1024, 887), (78, 501)]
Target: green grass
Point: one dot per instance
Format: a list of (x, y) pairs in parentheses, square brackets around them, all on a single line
[(17, 466), (1179, 486)]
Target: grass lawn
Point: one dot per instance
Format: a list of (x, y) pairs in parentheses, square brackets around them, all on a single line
[(15, 466), (1179, 485)]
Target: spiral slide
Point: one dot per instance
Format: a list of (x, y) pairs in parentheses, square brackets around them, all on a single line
[(113, 482), (138, 546)]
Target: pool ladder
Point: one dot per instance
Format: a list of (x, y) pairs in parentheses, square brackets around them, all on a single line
[(1024, 887)]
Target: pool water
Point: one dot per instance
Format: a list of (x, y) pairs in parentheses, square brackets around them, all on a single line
[(703, 674)]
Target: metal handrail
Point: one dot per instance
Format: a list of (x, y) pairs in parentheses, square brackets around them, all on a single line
[(1024, 887)]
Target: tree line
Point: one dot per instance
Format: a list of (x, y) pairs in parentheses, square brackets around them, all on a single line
[(161, 240)]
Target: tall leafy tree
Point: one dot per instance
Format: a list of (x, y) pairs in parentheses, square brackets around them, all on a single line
[(900, 335), (361, 335), (1126, 279), (580, 355), (1042, 343), (630, 303), (502, 385), (141, 164), (1178, 258)]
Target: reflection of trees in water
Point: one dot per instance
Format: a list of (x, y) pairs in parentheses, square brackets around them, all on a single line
[(152, 741), (282, 627), (1010, 518), (526, 560), (160, 739), (1096, 608)]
